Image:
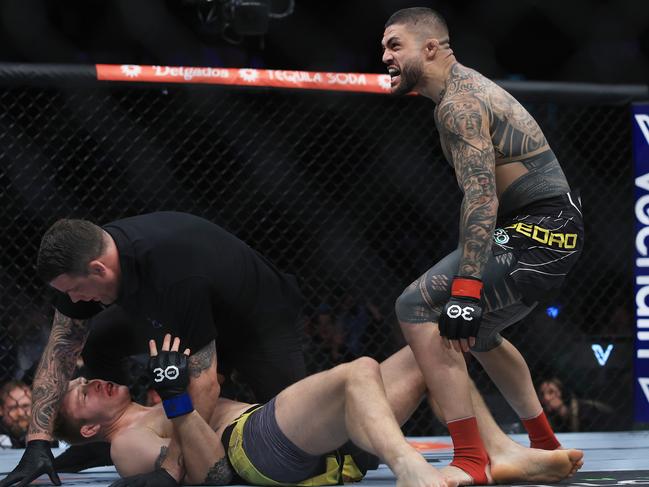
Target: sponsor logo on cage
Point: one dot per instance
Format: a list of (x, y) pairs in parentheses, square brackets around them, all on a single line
[(601, 355), (642, 266), (249, 75), (384, 81), (501, 237), (643, 123), (131, 70), (190, 73), (543, 235), (641, 271), (644, 385), (317, 78)]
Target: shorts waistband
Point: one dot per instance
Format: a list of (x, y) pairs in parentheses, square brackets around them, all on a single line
[(227, 432), (570, 200)]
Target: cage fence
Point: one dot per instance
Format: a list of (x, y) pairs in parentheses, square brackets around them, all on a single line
[(349, 192)]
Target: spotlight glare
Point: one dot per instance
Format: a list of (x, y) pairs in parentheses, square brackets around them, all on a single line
[(552, 311)]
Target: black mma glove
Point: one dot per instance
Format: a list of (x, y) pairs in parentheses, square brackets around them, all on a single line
[(170, 378), (462, 314), (36, 460), (157, 478)]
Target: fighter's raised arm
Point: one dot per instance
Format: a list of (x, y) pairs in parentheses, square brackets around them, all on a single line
[(203, 454), (204, 390)]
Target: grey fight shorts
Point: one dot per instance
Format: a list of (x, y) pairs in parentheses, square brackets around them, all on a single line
[(531, 254), (272, 453)]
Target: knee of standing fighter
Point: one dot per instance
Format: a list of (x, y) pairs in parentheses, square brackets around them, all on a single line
[(409, 307)]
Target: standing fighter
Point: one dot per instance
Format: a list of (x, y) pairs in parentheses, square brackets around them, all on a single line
[(170, 273), (521, 231)]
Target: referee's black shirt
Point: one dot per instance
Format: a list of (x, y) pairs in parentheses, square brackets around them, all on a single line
[(184, 275)]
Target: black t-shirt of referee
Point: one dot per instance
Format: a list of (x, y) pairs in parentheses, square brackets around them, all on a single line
[(184, 275)]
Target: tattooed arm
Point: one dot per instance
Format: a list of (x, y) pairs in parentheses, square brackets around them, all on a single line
[(464, 131), (55, 370), (204, 390), (204, 387)]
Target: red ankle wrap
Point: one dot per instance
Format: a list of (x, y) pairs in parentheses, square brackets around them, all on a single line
[(540, 433), (469, 451)]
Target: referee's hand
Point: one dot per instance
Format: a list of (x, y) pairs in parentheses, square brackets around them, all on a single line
[(36, 461)]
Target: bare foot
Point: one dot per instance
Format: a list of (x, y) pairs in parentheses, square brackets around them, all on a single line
[(455, 474), (417, 472), (578, 464), (516, 463), (579, 457)]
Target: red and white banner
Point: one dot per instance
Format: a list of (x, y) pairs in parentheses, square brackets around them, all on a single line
[(312, 80)]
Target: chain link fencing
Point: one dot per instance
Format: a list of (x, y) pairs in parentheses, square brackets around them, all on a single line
[(349, 192)]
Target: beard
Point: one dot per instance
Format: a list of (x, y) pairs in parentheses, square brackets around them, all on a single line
[(19, 427), (410, 75)]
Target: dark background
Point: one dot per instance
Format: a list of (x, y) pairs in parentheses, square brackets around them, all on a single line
[(574, 40)]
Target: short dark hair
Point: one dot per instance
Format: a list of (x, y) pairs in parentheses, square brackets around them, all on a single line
[(424, 17), (67, 429), (68, 247)]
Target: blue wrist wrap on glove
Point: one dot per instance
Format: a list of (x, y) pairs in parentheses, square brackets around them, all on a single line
[(178, 405)]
